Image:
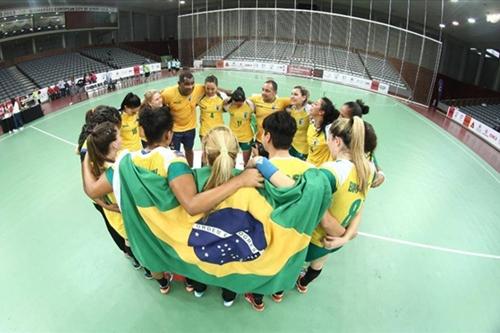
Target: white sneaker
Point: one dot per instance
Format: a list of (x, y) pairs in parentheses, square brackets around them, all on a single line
[(22, 127), (228, 304), (198, 294), (15, 131)]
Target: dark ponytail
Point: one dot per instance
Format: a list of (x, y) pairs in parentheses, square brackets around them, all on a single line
[(358, 108), (370, 139), (330, 114), (98, 142)]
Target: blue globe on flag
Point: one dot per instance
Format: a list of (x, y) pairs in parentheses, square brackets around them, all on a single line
[(228, 235)]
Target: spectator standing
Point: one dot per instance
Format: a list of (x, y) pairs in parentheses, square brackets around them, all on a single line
[(7, 116), (62, 88), (18, 119), (36, 96)]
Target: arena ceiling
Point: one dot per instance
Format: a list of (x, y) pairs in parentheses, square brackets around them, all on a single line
[(480, 34)]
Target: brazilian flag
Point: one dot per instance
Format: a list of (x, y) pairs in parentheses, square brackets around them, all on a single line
[(254, 241)]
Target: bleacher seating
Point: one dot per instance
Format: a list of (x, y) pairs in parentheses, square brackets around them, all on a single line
[(333, 58), (267, 51), (487, 114), (221, 50), (14, 84), (310, 55), (115, 57), (48, 71), (382, 70)]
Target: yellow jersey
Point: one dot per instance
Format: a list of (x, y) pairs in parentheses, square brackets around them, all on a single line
[(319, 152), (183, 108), (211, 109), (291, 166), (240, 121), (264, 109), (346, 199), (115, 219), (162, 161), (301, 117), (129, 132)]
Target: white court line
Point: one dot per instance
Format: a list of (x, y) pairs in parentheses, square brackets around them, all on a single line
[(54, 136), (5, 136), (55, 114), (387, 239), (430, 247), (70, 107), (454, 140)]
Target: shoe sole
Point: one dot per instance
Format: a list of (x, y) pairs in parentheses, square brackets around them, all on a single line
[(302, 291), (253, 305), (277, 299), (165, 291)]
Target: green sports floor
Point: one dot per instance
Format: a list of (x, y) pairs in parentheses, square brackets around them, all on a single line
[(427, 260)]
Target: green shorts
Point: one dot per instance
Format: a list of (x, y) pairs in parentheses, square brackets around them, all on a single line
[(315, 252), (246, 146), (295, 153)]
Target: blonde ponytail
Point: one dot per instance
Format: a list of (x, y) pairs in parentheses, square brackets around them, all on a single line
[(221, 149), (352, 133), (357, 148)]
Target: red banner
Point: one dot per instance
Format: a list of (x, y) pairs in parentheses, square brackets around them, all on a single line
[(375, 84), (467, 120), (137, 70), (299, 70), (451, 110)]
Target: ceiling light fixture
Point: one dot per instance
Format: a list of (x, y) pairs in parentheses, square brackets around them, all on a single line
[(182, 2), (442, 25), (471, 20), (455, 23), (493, 52), (493, 18)]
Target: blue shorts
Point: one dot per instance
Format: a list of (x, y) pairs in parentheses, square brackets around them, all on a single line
[(186, 138)]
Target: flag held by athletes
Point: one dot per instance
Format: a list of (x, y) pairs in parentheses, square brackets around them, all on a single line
[(254, 241)]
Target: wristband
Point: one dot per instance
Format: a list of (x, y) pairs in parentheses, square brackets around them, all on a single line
[(266, 168)]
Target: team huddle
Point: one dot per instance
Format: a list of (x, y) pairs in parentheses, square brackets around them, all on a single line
[(281, 139)]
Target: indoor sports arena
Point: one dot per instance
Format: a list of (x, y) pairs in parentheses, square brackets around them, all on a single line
[(250, 165)]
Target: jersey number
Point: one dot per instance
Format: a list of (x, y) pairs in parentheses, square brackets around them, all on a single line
[(352, 212)]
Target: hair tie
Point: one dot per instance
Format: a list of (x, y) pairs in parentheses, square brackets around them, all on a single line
[(223, 150)]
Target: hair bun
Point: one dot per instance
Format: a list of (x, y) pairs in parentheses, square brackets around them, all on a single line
[(364, 108)]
